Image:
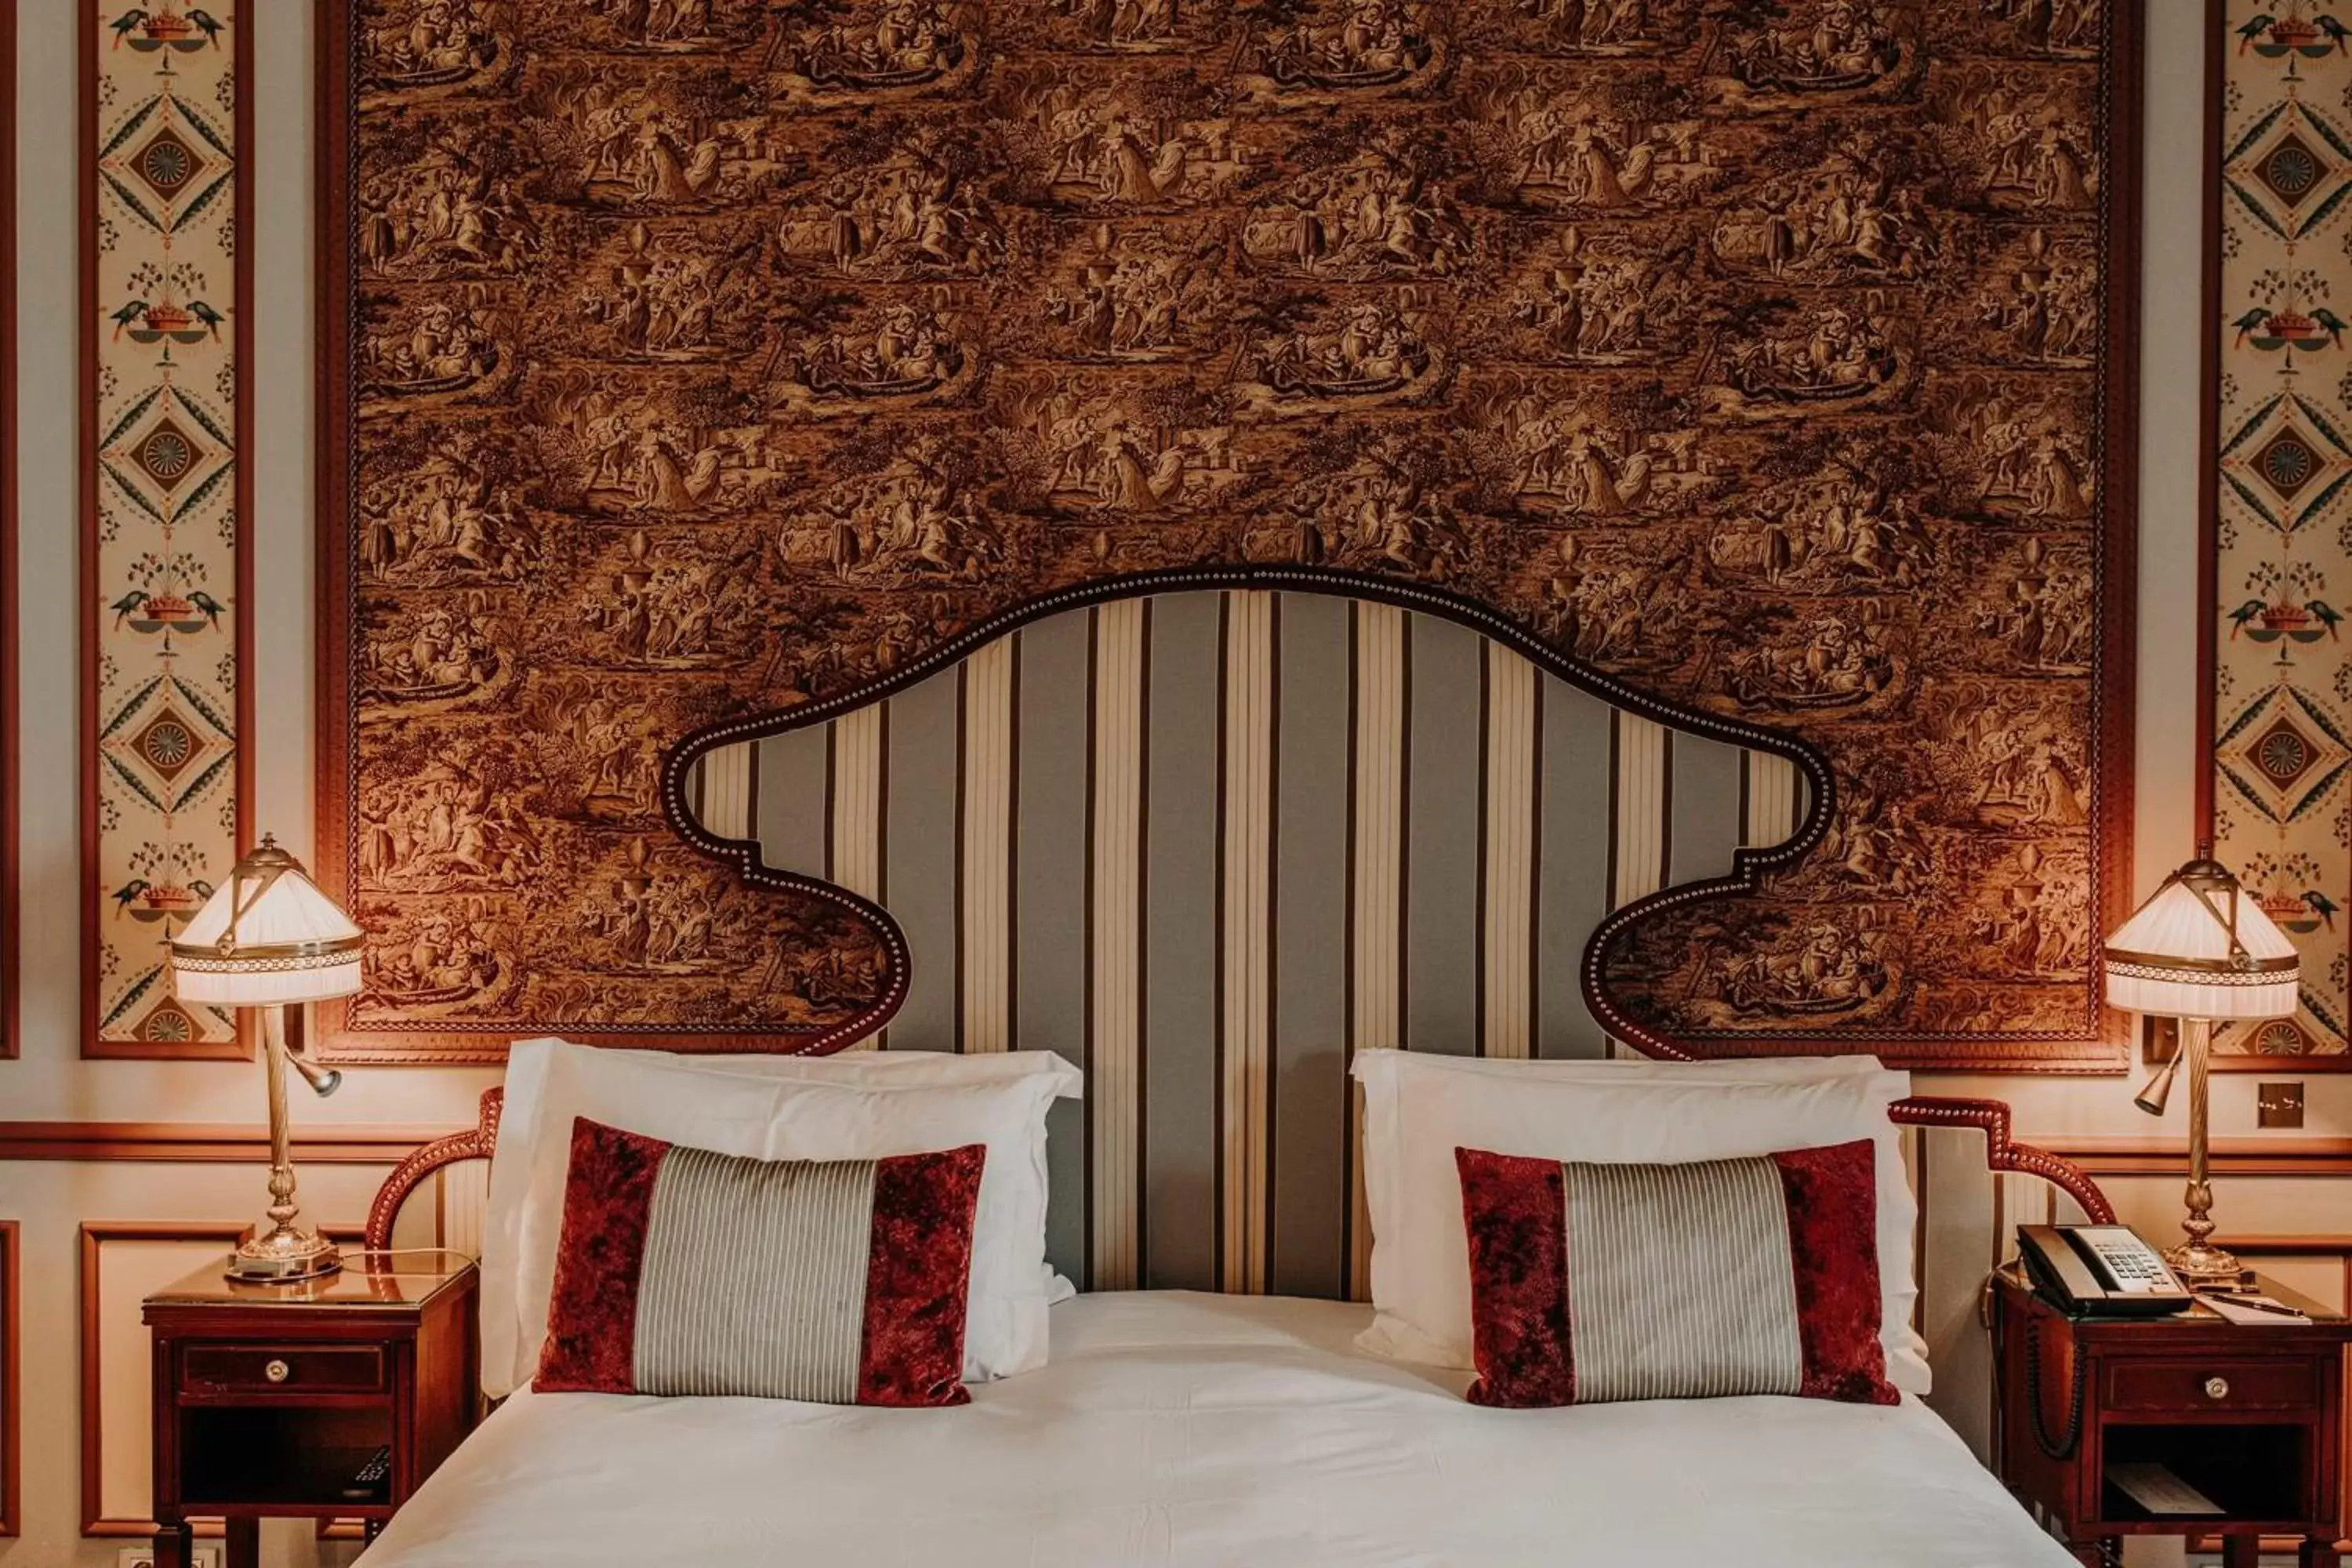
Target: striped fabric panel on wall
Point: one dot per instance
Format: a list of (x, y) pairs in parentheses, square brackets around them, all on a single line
[(1208, 847)]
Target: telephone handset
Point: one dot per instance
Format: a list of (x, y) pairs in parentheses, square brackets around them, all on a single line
[(2098, 1272)]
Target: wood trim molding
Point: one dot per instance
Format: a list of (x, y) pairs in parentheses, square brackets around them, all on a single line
[(207, 1143), (12, 1373), (2230, 1156)]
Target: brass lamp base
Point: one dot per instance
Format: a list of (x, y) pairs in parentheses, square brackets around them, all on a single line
[(283, 1253), (2199, 1265)]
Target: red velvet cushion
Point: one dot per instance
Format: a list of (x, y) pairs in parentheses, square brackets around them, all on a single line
[(685, 1272), (1722, 1277)]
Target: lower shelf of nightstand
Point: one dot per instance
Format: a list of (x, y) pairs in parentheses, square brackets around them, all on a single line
[(2252, 1471), (281, 1457)]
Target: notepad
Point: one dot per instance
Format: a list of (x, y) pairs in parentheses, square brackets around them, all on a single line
[(2158, 1490), (2243, 1310)]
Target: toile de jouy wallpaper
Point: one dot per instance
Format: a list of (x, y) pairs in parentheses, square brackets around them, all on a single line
[(2282, 812), (706, 356)]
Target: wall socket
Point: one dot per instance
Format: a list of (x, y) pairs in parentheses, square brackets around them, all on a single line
[(203, 1555), (2278, 1104)]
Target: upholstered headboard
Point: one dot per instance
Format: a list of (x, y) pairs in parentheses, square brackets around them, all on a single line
[(1207, 845)]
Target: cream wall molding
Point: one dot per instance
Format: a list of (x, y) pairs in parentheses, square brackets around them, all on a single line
[(191, 1143)]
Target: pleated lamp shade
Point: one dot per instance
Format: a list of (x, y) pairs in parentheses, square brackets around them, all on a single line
[(2201, 949), (267, 935)]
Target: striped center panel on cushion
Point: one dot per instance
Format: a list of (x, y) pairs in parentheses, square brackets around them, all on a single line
[(1208, 845)]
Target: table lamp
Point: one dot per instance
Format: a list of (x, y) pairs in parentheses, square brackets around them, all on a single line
[(2200, 950), (267, 937)]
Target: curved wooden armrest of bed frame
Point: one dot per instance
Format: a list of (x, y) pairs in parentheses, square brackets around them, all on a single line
[(474, 1144), (1990, 1116)]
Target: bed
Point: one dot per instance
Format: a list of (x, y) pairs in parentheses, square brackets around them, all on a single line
[(1220, 1414), (1185, 1428)]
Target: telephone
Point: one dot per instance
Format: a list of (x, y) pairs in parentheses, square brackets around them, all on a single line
[(2098, 1272)]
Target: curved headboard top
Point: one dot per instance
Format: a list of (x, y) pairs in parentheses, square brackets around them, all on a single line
[(1209, 843), (1418, 718)]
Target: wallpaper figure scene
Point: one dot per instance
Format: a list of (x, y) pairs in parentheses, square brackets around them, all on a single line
[(706, 362), (164, 568)]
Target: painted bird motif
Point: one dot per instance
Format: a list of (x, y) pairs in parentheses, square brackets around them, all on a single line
[(125, 604), (2256, 26), (124, 23), (213, 609), (127, 894), (2322, 906), (128, 314), (208, 316), (2334, 324), (2337, 33), (2327, 616), (2249, 322), (209, 23), (2243, 614)]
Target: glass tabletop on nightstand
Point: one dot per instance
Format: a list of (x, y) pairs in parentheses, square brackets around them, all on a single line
[(403, 1277), (2012, 1273)]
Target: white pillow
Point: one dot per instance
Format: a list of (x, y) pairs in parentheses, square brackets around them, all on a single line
[(863, 1112), (1420, 1108)]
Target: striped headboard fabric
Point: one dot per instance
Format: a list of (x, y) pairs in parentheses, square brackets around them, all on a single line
[(1207, 845)]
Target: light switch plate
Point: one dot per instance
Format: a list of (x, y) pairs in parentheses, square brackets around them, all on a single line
[(203, 1555), (2278, 1104)]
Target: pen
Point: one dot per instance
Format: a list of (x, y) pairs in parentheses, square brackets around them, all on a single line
[(2276, 1308)]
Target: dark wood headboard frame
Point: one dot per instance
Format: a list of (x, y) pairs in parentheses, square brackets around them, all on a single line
[(743, 856), (1991, 1117)]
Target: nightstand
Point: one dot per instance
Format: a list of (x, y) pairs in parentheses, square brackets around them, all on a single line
[(2248, 1415), (271, 1400)]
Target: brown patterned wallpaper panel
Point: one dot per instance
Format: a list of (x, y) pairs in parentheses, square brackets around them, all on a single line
[(696, 359)]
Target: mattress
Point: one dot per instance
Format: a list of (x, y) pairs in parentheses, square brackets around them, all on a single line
[(1181, 1429)]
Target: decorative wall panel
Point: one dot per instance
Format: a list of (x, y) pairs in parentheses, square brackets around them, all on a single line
[(1753, 364), (2278, 534), (166, 573)]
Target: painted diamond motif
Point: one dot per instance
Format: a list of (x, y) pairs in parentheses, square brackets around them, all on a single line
[(164, 745), (162, 160), (168, 743), (2288, 463), (167, 453), (2285, 464), (2284, 754), (163, 455), (168, 1022), (167, 163), (2291, 171)]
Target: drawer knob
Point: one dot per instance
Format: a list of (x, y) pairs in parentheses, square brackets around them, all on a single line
[(2217, 1388), (277, 1371)]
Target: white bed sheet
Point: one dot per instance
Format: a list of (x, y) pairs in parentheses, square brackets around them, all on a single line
[(1179, 1429)]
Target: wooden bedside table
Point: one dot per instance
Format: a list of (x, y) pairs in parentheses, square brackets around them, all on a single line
[(2248, 1415), (271, 1398)]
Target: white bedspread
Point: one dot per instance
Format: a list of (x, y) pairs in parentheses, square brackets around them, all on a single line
[(1183, 1429)]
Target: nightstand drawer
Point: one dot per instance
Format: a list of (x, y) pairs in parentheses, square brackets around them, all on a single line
[(245, 1368), (2188, 1384)]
